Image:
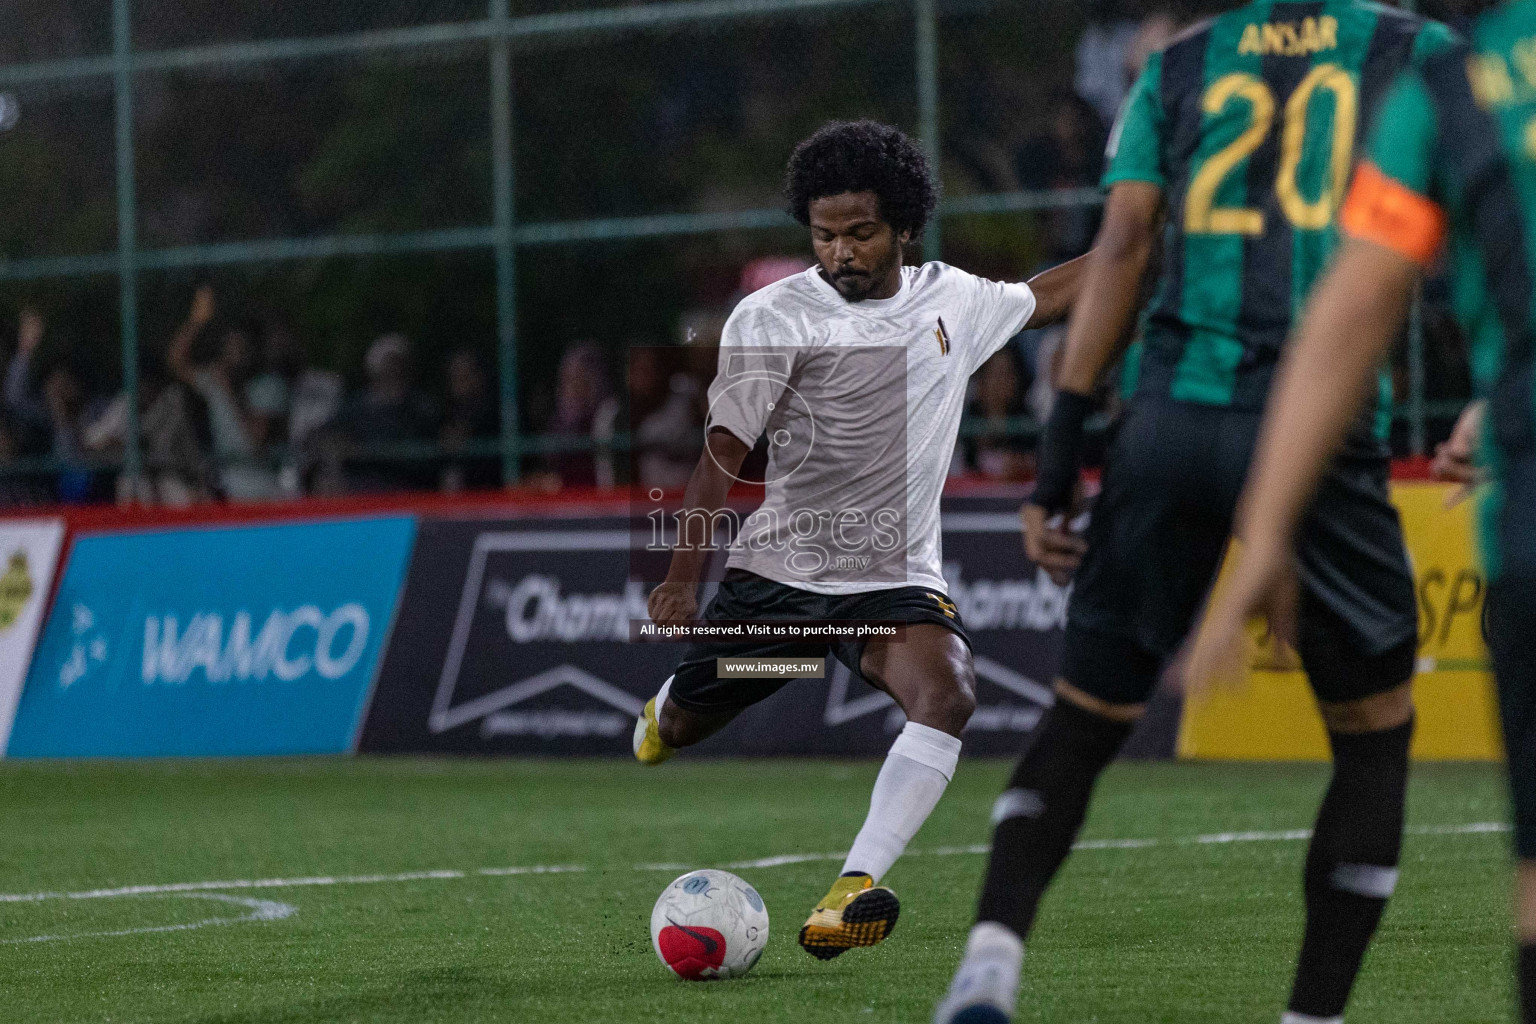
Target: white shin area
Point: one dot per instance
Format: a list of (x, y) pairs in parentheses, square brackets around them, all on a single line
[(916, 771)]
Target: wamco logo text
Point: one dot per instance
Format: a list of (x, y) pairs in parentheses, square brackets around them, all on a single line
[(289, 645)]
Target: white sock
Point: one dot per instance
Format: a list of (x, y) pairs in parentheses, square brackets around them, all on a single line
[(919, 766), (992, 941), (661, 697), (988, 973), (1290, 1017)]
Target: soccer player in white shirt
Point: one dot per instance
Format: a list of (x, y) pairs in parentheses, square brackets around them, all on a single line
[(856, 371)]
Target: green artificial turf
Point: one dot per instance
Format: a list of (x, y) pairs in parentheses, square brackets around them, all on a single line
[(1177, 932)]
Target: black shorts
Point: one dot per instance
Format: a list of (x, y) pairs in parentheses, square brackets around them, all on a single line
[(1160, 527), (1509, 621), (745, 596)]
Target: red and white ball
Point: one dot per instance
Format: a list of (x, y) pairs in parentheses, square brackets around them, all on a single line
[(709, 925)]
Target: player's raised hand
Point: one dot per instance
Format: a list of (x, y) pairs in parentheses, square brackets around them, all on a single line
[(673, 604), (1262, 583), (1050, 543), (1456, 457)]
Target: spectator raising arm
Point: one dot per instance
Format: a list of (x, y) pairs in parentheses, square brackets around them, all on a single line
[(179, 357), (238, 435)]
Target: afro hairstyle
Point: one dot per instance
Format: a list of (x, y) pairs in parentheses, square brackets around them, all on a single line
[(863, 156)]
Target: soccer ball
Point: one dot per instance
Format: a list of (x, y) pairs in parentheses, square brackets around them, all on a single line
[(709, 925)]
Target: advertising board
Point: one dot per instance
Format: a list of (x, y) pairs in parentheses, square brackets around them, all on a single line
[(1274, 717), (514, 638), (29, 554), (252, 640)]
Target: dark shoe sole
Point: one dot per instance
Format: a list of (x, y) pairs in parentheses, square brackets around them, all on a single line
[(866, 921)]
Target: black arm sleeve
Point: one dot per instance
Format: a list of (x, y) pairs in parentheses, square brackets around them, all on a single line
[(1061, 451)]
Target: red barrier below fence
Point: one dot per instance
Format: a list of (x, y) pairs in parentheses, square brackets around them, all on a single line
[(511, 504)]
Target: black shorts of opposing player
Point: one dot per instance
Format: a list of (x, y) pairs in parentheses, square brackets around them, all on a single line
[(1160, 528), (747, 597)]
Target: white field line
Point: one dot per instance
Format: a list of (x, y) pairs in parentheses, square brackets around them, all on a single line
[(271, 910), (260, 910), (1214, 839), (283, 883), (1459, 830)]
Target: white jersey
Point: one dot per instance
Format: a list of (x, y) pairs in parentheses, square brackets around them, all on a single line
[(861, 403)]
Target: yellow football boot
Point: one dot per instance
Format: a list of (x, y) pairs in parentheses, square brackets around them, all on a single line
[(854, 912), (648, 746)]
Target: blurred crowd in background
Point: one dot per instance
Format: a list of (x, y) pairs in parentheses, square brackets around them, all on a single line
[(236, 411), (261, 388)]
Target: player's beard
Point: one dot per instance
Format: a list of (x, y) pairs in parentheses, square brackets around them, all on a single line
[(855, 287)]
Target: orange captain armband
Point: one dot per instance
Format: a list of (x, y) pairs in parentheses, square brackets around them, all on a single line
[(1390, 214)]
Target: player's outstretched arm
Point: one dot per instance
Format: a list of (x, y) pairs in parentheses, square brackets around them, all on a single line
[(676, 600), (1101, 290), (1325, 376), (1056, 291), (1103, 313)]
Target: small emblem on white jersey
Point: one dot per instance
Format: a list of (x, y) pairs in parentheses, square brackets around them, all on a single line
[(943, 336)]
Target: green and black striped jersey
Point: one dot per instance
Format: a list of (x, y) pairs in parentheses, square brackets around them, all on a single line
[(1249, 123), (1454, 153)]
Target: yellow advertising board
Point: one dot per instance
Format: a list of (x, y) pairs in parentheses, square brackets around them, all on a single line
[(1273, 716)]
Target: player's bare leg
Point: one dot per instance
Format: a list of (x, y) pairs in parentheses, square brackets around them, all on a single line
[(928, 671), (664, 728)]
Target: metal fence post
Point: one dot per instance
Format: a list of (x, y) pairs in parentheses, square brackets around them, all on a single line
[(127, 230), (928, 107), (506, 251), (503, 237)]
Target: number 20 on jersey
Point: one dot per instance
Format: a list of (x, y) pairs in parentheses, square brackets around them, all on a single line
[(1201, 214)]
